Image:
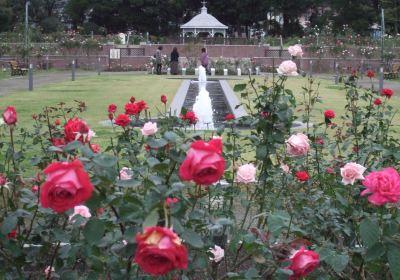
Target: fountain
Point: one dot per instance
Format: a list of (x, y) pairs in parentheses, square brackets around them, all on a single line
[(202, 107)]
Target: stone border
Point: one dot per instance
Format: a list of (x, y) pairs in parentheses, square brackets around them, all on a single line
[(232, 100), (179, 98)]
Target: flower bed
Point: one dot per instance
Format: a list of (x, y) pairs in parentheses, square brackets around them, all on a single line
[(167, 201)]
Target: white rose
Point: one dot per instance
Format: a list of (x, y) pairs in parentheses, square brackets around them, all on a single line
[(287, 68)]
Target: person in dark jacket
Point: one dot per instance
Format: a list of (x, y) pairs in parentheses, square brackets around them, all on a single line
[(158, 57), (174, 61)]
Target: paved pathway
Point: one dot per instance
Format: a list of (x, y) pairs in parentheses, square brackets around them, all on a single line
[(20, 83)]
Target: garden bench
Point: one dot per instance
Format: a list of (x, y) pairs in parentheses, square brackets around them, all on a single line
[(16, 69), (394, 73)]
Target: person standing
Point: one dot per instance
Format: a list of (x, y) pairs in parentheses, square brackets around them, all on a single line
[(158, 56), (204, 58), (174, 61)]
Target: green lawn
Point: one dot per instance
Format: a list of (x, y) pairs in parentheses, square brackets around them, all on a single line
[(99, 91), (333, 97), (4, 75)]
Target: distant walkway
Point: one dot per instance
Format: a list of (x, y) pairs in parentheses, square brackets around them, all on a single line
[(20, 83)]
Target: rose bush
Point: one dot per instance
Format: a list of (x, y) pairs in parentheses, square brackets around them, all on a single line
[(319, 201)]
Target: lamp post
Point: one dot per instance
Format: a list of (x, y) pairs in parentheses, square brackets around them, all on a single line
[(382, 34), (26, 29)]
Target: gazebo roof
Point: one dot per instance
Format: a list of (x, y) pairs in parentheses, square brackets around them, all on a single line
[(204, 20)]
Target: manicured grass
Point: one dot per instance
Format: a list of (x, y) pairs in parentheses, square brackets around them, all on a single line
[(332, 96), (97, 92), (4, 74)]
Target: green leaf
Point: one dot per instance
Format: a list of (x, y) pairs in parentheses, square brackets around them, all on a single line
[(93, 231), (151, 219), (170, 136), (393, 258), (376, 251), (8, 224), (277, 221), (152, 161), (192, 238), (73, 146), (251, 273), (105, 161), (157, 143), (338, 262), (341, 199), (132, 183), (239, 87), (369, 232)]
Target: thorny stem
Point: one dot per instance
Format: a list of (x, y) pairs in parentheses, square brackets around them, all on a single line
[(56, 250)]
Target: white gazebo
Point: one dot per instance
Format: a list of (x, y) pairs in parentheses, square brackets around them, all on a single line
[(204, 23)]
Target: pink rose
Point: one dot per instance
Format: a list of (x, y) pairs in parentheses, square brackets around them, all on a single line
[(81, 210), (48, 271), (287, 68), (149, 128), (246, 173), (303, 263), (298, 145), (295, 50), (285, 168), (352, 172), (384, 186), (218, 254), (125, 173)]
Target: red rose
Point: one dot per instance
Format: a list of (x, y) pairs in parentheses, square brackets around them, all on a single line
[(122, 120), (10, 115), (319, 140), (169, 201), (58, 142), (204, 163), (3, 180), (76, 129), (67, 185), (190, 117), (34, 188), (57, 122), (302, 176), (377, 101), (303, 263), (132, 99), (34, 116), (370, 74), (131, 109), (142, 105), (95, 148), (329, 114), (112, 108), (330, 170), (110, 116), (229, 117), (388, 92), (163, 99), (159, 251), (264, 115)]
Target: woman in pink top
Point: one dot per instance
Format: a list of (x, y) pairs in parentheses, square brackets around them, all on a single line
[(204, 58)]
